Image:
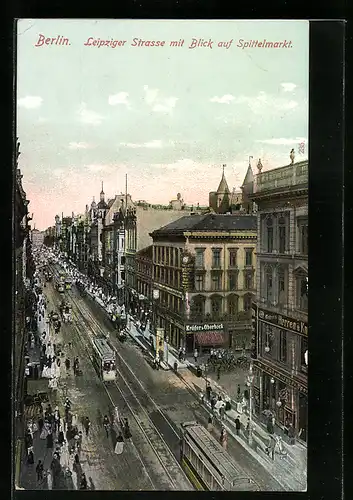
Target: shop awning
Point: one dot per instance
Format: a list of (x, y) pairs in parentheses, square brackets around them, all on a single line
[(210, 338)]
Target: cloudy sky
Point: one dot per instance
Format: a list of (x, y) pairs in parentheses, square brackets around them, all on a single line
[(167, 116)]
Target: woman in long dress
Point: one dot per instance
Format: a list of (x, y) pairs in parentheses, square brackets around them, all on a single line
[(119, 446)]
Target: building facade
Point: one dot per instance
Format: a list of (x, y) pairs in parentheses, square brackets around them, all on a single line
[(37, 238), (280, 311), (204, 280)]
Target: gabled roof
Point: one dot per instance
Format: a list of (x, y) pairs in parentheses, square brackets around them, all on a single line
[(223, 186)]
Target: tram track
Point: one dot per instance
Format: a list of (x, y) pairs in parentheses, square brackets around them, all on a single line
[(113, 400), (164, 454), (146, 398), (162, 451)]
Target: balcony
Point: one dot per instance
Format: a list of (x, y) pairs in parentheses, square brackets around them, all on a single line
[(283, 177)]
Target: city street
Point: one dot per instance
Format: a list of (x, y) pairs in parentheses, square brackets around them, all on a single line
[(155, 402)]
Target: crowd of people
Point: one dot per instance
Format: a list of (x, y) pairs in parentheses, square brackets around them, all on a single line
[(62, 437)]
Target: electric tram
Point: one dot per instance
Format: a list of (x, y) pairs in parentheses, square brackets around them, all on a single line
[(207, 464), (104, 359), (68, 283), (60, 285)]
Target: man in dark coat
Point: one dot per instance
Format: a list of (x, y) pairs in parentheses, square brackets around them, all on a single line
[(237, 425)]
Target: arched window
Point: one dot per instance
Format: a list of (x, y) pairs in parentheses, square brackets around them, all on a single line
[(216, 306), (233, 305), (301, 284), (198, 305), (247, 301)]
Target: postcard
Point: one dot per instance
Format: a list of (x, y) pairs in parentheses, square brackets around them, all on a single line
[(161, 295)]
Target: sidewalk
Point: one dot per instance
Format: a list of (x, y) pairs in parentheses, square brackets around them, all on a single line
[(289, 469)]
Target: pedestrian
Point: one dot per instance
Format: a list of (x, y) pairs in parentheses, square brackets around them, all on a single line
[(208, 391), (119, 445), (180, 354), (127, 432), (237, 425), (50, 441), (210, 424), (223, 438), (270, 426), (221, 412), (86, 425), (248, 425), (83, 483), (39, 471), (67, 364), (213, 403), (196, 354), (30, 457), (218, 372), (106, 424), (79, 442), (61, 437), (291, 434)]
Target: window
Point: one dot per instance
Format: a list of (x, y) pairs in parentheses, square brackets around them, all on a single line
[(199, 282), (216, 281), (269, 224), (216, 306), (199, 258), (282, 233), (248, 280), (302, 293), (233, 305), (282, 292), (283, 346), (248, 256), (303, 238), (198, 306), (232, 280), (122, 260), (232, 257), (268, 284), (216, 257), (247, 302)]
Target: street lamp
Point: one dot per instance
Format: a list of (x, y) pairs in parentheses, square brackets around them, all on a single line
[(167, 349), (249, 383)]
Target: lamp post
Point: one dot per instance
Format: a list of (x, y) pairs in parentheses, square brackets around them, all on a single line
[(249, 383), (167, 349)]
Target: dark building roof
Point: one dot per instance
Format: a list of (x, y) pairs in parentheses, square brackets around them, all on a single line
[(223, 186), (102, 205), (209, 222), (249, 177)]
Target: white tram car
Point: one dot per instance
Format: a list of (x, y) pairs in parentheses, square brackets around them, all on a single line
[(207, 464), (104, 359)]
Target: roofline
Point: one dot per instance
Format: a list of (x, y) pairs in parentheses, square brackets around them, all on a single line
[(280, 192)]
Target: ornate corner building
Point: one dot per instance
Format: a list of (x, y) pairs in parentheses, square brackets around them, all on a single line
[(204, 271), (280, 311)]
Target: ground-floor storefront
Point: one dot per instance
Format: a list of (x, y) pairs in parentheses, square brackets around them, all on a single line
[(283, 396)]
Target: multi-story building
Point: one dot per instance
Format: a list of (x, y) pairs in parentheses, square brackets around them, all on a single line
[(37, 238), (23, 304), (139, 221), (204, 280), (281, 306), (144, 272)]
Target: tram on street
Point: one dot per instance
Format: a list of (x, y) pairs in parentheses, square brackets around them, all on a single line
[(207, 464), (68, 283), (60, 284), (104, 359)]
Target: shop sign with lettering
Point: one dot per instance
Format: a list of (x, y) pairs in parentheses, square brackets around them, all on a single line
[(203, 328), (283, 321), (286, 380)]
